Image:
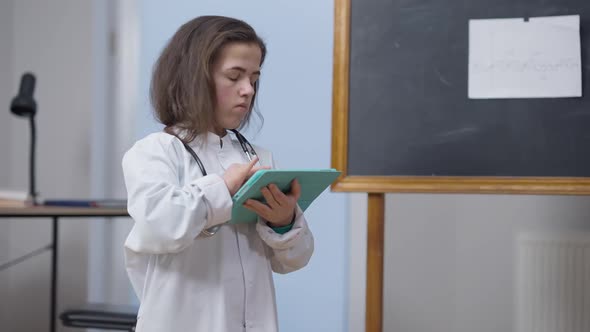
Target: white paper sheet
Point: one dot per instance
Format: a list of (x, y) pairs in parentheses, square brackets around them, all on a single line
[(512, 58)]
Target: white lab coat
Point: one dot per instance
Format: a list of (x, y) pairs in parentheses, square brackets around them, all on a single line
[(186, 281)]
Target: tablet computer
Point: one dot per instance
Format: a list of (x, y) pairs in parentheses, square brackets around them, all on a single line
[(313, 182)]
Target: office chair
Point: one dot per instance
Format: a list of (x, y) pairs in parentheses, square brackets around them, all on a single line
[(101, 316)]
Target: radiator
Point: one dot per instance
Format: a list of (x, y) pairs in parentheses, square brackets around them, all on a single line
[(552, 282)]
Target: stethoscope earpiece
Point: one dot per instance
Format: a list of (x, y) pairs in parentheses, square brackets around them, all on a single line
[(246, 146)]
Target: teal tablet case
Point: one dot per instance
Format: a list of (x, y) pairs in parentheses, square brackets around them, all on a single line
[(313, 182)]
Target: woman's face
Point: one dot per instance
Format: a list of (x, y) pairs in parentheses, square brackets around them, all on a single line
[(235, 73)]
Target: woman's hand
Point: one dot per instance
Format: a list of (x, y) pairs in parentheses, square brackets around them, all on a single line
[(279, 209), (237, 174)]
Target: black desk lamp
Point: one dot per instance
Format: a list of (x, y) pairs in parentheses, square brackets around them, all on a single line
[(24, 105)]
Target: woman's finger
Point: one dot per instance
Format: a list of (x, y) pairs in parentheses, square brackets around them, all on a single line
[(249, 166), (278, 195), (258, 207), (270, 199), (295, 189)]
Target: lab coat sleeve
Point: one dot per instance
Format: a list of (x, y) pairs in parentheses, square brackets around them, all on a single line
[(289, 251), (169, 215)]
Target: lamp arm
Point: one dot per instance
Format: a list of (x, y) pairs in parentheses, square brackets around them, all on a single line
[(32, 188)]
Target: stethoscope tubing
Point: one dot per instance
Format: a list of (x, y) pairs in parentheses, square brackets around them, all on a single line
[(248, 150)]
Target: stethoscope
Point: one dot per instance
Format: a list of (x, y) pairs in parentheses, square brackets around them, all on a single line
[(248, 150)]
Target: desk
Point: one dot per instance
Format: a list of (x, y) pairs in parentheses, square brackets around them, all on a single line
[(55, 213)]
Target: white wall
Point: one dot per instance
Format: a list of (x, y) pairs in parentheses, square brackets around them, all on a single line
[(124, 65), (6, 89), (55, 41), (295, 99), (450, 263)]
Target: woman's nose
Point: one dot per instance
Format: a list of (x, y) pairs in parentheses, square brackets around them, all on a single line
[(247, 89)]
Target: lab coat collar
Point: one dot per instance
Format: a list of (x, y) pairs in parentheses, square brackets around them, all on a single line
[(215, 141), (208, 139)]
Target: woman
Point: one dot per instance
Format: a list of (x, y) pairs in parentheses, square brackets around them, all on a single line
[(190, 269)]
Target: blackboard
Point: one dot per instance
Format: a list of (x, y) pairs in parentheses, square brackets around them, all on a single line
[(402, 114)]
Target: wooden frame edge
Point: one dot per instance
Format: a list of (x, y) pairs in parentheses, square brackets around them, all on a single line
[(478, 185), (340, 86)]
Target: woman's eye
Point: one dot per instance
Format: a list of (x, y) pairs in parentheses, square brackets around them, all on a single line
[(233, 78)]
